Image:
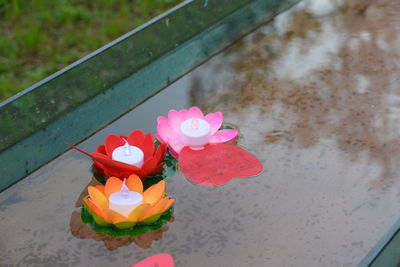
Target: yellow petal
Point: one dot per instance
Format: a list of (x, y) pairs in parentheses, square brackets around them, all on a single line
[(134, 183), (98, 198), (153, 218), (96, 213), (139, 212), (113, 217), (154, 193), (113, 184), (100, 221)]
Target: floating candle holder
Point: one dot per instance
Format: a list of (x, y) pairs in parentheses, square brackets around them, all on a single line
[(121, 156), (201, 144), (125, 207), (190, 128)]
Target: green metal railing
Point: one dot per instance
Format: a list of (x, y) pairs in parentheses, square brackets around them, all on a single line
[(87, 95), (386, 252)]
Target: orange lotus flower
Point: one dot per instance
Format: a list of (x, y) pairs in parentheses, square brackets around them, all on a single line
[(154, 203)]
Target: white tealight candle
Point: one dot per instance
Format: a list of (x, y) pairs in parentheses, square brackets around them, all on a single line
[(125, 201), (195, 132), (129, 154)]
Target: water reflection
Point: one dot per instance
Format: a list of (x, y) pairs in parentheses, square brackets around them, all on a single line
[(83, 231), (309, 77)]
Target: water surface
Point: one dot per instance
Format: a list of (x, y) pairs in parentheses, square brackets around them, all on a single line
[(316, 96)]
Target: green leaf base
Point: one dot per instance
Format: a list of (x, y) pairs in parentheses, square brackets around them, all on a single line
[(138, 229)]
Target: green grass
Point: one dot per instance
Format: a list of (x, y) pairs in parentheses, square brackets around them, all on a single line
[(39, 37)]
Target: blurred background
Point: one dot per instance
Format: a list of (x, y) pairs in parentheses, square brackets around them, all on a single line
[(40, 37)]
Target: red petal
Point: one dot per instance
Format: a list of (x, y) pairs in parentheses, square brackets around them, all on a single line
[(123, 172), (112, 167), (157, 154), (159, 169), (101, 149), (109, 162), (147, 146), (160, 152), (163, 150), (136, 138), (112, 142), (116, 168), (150, 165)]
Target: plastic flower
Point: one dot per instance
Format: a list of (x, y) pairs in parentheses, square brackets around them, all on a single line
[(152, 158), (170, 129), (154, 204)]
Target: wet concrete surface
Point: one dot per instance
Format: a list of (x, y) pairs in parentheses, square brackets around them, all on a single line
[(316, 96)]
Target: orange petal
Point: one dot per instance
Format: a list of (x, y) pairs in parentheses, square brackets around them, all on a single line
[(170, 202), (134, 183), (155, 209), (113, 217), (154, 193), (101, 188), (139, 212), (159, 207), (98, 197), (155, 213), (113, 184), (92, 207)]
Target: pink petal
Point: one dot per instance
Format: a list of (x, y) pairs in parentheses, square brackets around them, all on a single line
[(215, 121), (164, 132), (176, 118), (182, 113), (194, 112), (162, 120), (175, 149), (223, 136)]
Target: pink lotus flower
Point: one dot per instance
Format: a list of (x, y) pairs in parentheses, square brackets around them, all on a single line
[(171, 130)]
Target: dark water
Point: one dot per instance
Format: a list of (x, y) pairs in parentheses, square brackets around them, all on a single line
[(316, 96)]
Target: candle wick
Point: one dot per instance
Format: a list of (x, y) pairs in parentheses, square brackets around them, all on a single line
[(124, 189), (127, 148), (195, 124)]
